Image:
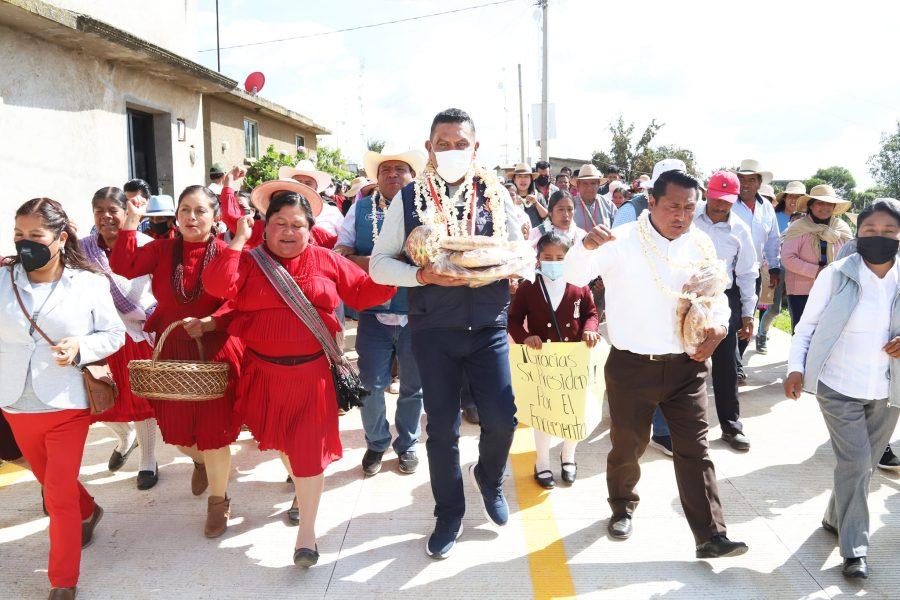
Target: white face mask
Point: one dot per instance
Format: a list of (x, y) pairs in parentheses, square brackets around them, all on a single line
[(452, 165)]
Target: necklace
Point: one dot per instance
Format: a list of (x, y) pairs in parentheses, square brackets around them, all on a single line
[(178, 270), (376, 197)]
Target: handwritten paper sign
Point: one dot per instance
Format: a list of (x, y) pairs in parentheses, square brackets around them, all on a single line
[(559, 388)]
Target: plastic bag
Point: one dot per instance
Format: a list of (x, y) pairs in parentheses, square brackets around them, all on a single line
[(416, 246), (694, 316), (519, 261)]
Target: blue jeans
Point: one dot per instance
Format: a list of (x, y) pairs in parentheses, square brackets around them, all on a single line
[(482, 355), (376, 344), (660, 427)]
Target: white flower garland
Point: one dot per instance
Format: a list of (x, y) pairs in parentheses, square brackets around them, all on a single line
[(710, 259), (375, 198), (445, 223)]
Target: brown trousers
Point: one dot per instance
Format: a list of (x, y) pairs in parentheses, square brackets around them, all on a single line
[(636, 385)]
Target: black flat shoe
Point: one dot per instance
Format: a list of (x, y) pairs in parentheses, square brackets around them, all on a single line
[(147, 479), (829, 527), (117, 459), (544, 479), (304, 557), (620, 527), (855, 568), (568, 471), (293, 514), (720, 546)]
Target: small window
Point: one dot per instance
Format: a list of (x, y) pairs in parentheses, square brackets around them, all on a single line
[(301, 142), (251, 138)]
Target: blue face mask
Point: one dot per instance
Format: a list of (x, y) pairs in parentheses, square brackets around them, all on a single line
[(552, 269)]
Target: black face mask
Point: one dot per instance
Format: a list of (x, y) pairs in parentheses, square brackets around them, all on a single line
[(877, 250), (33, 255), (159, 228), (542, 180)]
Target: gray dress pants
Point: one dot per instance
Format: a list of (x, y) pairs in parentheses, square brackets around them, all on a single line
[(859, 430)]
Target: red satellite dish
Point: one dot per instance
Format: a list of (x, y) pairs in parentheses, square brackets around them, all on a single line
[(255, 82)]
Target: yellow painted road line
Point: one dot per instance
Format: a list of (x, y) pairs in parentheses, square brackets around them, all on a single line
[(10, 473), (550, 576)]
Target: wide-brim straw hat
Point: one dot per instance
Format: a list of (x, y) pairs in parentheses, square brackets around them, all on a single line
[(750, 166), (824, 193), (261, 196), (589, 172), (416, 159), (767, 191), (520, 169), (359, 185), (793, 187), (308, 168)]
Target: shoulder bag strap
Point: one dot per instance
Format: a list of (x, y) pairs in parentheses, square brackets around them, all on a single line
[(293, 296), (550, 307), (12, 280)]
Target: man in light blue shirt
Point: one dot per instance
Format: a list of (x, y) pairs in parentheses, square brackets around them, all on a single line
[(759, 214)]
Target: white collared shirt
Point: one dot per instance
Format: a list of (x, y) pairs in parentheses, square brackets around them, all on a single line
[(734, 245), (640, 316), (764, 229), (858, 366)]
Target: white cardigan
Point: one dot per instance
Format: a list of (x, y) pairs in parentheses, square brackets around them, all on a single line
[(80, 306)]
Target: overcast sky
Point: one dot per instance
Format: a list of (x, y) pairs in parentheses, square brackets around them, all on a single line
[(797, 84)]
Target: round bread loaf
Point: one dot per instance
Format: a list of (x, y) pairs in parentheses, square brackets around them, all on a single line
[(482, 257), (416, 245), (470, 242)]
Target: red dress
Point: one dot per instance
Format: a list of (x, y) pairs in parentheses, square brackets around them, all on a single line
[(128, 407), (231, 211), (209, 424), (290, 408)]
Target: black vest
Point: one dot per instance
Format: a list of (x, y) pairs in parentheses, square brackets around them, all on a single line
[(434, 306)]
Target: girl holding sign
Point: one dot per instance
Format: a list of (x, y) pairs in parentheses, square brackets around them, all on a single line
[(551, 310)]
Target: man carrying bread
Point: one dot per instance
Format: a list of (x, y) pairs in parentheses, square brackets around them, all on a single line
[(657, 305), (456, 330)]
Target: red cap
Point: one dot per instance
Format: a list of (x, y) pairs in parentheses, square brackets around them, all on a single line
[(724, 185)]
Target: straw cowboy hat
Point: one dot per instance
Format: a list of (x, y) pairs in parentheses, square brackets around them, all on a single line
[(360, 184), (589, 172), (750, 166), (416, 159), (262, 194), (520, 169), (308, 168), (824, 193), (793, 187), (767, 191)]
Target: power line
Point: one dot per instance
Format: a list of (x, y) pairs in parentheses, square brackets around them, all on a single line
[(359, 27)]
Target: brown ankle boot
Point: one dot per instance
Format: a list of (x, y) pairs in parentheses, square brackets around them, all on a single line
[(217, 513), (199, 482)]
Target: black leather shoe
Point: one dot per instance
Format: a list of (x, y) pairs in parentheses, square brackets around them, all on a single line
[(293, 513), (371, 462), (829, 527), (855, 568), (408, 462), (147, 479), (544, 479), (720, 546), (63, 593), (88, 526), (470, 414), (620, 527), (568, 471), (117, 459), (304, 557)]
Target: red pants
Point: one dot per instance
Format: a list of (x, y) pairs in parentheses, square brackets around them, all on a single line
[(53, 444)]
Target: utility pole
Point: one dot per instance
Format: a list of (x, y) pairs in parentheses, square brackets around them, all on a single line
[(545, 155), (521, 119), (218, 55)]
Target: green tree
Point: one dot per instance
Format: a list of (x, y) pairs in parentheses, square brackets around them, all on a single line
[(885, 164), (840, 179), (635, 157), (330, 161), (813, 182), (265, 168), (375, 145)]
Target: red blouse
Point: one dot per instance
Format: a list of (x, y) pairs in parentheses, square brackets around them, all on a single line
[(156, 259), (264, 322), (231, 212), (529, 302)]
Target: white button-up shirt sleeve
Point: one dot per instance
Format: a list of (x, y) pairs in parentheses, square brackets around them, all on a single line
[(819, 296), (385, 266), (746, 268), (773, 239), (347, 232)]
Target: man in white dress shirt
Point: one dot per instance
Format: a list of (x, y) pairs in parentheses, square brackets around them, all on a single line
[(647, 366)]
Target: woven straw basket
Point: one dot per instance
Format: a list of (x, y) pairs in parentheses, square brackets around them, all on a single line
[(178, 379)]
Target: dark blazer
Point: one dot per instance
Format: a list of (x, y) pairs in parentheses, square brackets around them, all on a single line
[(529, 302)]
